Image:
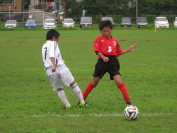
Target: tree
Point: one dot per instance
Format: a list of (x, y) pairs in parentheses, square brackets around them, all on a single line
[(120, 7), (72, 7), (157, 7), (104, 7), (3, 1)]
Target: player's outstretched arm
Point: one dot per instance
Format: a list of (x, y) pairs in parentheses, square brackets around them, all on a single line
[(131, 48)]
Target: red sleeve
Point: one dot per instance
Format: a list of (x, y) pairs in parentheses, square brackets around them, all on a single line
[(118, 49), (96, 45)]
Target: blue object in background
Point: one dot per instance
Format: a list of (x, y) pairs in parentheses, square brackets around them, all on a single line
[(30, 23)]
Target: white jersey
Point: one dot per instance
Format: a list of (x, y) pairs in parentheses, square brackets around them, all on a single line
[(51, 49)]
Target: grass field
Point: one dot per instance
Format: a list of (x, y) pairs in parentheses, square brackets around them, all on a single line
[(28, 104)]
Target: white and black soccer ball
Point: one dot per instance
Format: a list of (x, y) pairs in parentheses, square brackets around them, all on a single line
[(131, 112)]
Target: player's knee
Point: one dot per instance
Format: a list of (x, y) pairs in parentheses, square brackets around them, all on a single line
[(72, 83), (95, 81)]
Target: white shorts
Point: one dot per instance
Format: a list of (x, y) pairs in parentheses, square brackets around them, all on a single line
[(61, 76)]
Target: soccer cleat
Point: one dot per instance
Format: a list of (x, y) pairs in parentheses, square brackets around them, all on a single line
[(128, 103), (81, 104), (86, 105), (67, 107)]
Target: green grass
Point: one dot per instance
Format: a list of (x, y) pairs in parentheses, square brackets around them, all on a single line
[(28, 103)]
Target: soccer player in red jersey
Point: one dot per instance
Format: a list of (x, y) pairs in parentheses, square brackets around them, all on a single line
[(107, 49)]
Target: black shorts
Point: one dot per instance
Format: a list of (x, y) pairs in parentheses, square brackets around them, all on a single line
[(112, 67)]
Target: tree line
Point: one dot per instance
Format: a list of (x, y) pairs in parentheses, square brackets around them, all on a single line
[(120, 7)]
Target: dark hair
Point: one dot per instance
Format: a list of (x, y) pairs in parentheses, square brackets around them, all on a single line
[(52, 33), (105, 23)]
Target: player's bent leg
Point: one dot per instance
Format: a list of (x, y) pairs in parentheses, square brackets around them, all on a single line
[(78, 93), (65, 75), (63, 97)]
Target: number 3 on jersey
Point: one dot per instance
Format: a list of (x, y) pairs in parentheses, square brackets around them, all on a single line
[(109, 49)]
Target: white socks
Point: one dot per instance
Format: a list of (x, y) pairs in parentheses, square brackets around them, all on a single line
[(63, 97), (78, 93)]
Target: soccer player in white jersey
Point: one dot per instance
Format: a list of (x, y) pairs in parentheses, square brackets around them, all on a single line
[(57, 71)]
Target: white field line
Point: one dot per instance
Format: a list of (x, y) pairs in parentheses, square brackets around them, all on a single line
[(95, 115), (92, 115)]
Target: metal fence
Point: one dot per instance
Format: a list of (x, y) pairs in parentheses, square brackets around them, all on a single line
[(22, 16)]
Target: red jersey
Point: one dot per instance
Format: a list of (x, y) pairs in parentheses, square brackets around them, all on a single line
[(107, 46)]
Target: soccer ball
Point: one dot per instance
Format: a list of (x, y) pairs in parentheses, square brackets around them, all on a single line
[(131, 112)]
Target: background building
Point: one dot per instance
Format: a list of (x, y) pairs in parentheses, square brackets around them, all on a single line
[(12, 6)]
